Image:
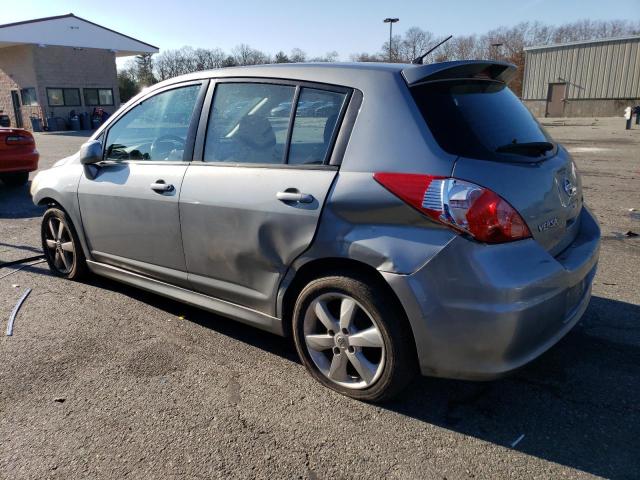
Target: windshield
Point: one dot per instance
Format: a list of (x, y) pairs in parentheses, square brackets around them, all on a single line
[(480, 119)]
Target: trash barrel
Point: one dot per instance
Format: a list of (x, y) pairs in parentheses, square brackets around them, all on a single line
[(74, 123), (85, 124), (95, 123), (36, 124), (61, 124), (52, 125), (5, 121)]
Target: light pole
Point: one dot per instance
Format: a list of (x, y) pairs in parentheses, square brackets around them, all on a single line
[(390, 21), (496, 50)]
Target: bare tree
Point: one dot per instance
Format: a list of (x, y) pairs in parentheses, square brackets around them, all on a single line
[(245, 55), (328, 57), (396, 41), (172, 63), (364, 57), (502, 43), (512, 40), (415, 42), (206, 59), (297, 56)]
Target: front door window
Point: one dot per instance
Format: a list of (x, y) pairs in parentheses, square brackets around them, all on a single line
[(156, 129)]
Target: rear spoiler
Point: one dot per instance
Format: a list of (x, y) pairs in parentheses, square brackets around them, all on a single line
[(499, 71)]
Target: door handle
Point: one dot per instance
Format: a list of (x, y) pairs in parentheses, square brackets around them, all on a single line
[(294, 196), (161, 187)]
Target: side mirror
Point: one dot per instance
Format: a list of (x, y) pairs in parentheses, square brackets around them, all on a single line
[(91, 152)]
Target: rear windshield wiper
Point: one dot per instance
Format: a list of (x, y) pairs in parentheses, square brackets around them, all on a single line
[(527, 148)]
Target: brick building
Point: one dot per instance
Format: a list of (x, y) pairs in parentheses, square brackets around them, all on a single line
[(50, 66)]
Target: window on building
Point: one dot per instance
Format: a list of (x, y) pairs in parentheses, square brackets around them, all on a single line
[(28, 96), (63, 97), (94, 97)]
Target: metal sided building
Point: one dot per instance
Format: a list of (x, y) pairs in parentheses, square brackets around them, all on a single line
[(582, 79)]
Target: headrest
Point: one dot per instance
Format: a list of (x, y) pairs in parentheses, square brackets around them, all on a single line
[(256, 132)]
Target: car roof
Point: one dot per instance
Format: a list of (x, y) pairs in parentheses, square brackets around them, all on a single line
[(338, 73), (350, 74)]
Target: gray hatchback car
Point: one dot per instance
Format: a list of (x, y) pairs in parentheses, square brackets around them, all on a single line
[(420, 221)]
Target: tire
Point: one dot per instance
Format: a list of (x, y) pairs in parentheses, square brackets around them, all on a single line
[(63, 252), (387, 368), (15, 179)]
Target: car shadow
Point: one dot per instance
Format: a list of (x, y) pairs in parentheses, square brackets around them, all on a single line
[(577, 405), (266, 341), (15, 202), (69, 133), (26, 248)]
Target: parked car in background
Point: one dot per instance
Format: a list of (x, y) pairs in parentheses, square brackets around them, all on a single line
[(18, 155), (324, 109), (308, 109), (281, 110), (425, 222)]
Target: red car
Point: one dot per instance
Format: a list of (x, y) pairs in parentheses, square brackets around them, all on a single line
[(18, 155)]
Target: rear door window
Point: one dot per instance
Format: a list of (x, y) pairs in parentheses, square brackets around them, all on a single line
[(480, 119), (315, 122), (248, 123)]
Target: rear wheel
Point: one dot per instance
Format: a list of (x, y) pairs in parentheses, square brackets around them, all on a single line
[(352, 338), (15, 179), (61, 246)]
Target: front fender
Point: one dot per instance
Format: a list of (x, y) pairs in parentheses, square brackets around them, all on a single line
[(60, 185)]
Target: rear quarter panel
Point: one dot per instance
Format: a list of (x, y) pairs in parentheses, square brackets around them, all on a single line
[(362, 220)]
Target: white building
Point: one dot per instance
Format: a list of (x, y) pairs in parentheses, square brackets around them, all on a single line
[(51, 66)]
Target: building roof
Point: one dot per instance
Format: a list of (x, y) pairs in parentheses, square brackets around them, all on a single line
[(71, 31), (584, 42)]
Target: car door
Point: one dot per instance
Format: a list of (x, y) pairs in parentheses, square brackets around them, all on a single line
[(251, 206), (129, 204)]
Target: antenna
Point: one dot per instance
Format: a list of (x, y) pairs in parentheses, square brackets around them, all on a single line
[(418, 60)]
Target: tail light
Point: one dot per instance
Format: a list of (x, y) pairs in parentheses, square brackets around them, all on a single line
[(461, 205), (19, 139)]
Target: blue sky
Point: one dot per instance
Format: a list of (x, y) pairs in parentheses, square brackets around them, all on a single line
[(316, 26)]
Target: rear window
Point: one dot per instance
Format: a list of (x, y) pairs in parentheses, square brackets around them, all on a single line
[(478, 118)]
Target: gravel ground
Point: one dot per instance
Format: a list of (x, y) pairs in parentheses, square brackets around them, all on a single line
[(102, 380)]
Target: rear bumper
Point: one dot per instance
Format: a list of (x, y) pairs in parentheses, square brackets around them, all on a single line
[(480, 311), (19, 162)]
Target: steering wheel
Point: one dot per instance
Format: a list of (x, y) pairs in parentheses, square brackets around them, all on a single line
[(156, 144)]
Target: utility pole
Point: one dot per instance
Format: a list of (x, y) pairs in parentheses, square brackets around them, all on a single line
[(496, 49), (390, 21)]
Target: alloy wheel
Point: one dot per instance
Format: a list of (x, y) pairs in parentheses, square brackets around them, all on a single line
[(344, 341), (59, 245)]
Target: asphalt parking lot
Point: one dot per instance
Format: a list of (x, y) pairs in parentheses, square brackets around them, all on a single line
[(102, 380)]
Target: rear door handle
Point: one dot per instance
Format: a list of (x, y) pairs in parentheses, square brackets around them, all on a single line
[(161, 186), (290, 196)]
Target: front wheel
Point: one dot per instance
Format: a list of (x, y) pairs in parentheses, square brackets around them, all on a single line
[(352, 338), (61, 245)]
